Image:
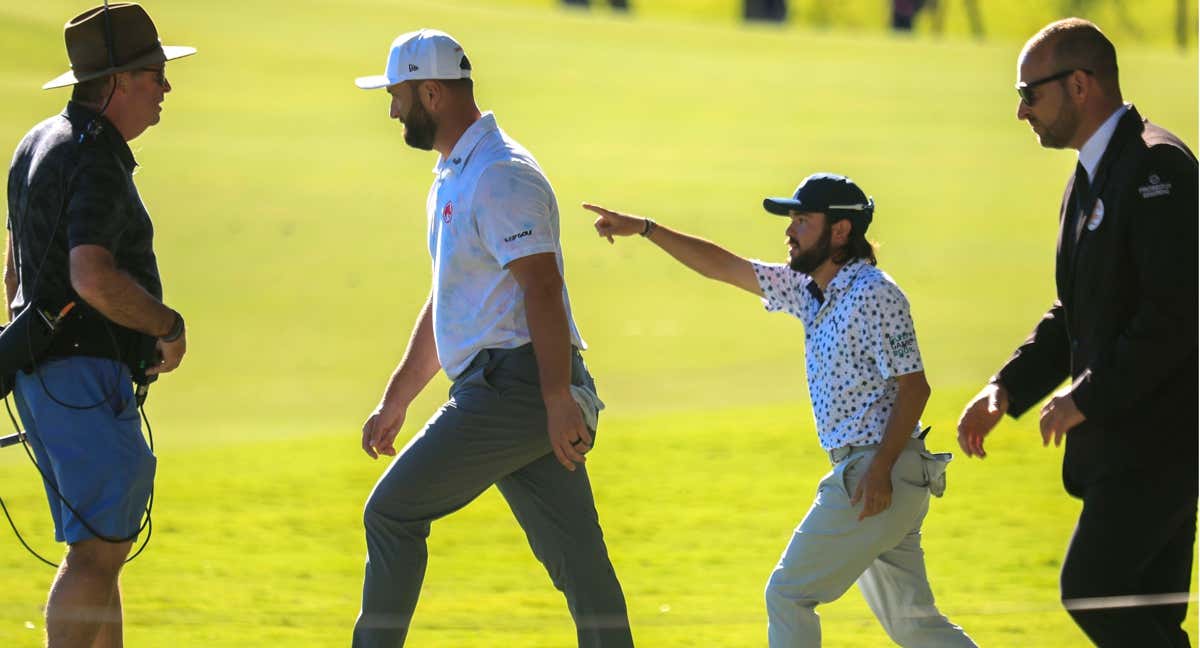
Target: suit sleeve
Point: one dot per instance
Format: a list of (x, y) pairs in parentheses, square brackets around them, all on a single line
[(1039, 365), (1160, 337)]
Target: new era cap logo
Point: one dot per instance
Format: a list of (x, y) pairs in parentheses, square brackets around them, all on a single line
[(412, 68)]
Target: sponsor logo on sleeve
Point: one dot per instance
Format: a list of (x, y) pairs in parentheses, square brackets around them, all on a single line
[(518, 235), (1155, 187), (903, 345), (447, 212)]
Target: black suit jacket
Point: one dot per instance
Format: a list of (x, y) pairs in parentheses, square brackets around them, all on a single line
[(1124, 326)]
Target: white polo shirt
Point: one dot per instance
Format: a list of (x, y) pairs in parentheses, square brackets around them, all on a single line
[(857, 341), (489, 205)]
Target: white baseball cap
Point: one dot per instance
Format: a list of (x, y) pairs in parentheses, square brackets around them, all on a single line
[(421, 54)]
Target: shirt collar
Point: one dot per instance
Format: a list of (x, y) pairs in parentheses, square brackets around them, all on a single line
[(844, 277), (1092, 150), (467, 143), (91, 124), (815, 291), (840, 282)]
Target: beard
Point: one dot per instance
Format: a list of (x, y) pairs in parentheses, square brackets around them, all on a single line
[(1058, 133), (808, 260), (419, 127)]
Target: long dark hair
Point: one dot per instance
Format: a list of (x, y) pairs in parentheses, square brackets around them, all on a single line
[(857, 247)]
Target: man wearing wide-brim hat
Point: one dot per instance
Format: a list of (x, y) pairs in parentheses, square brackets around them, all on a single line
[(80, 249)]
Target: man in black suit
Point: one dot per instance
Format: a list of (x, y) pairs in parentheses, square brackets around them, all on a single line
[(1123, 332)]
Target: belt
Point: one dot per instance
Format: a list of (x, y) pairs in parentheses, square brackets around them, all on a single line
[(837, 455), (491, 358)]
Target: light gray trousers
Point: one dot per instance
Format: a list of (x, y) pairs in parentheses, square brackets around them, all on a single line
[(831, 549), (492, 431)]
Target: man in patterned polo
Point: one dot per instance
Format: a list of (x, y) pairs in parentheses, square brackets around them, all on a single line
[(868, 390)]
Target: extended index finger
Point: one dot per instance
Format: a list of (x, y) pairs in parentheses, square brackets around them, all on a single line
[(598, 209)]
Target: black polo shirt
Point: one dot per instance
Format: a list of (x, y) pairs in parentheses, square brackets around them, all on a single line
[(71, 183)]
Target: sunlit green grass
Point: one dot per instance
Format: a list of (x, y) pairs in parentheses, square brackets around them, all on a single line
[(290, 231)]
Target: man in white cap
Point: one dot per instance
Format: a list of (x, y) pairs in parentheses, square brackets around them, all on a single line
[(81, 245), (523, 408)]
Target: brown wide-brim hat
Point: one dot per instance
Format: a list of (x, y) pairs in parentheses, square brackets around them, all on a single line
[(123, 26)]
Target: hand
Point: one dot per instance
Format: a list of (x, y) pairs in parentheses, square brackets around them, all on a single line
[(170, 354), (979, 417), (611, 223), (1059, 415), (874, 490), (569, 436), (380, 430)]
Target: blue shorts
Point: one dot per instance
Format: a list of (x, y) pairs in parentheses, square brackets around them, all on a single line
[(96, 457)]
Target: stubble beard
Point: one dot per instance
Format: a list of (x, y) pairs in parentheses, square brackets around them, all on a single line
[(1058, 134)]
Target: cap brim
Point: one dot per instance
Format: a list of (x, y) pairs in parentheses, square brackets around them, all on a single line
[(782, 206), (173, 52), (382, 81), (374, 82), (169, 53)]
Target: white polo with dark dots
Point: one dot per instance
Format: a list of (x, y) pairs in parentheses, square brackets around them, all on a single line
[(859, 337)]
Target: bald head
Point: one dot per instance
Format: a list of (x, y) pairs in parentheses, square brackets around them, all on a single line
[(1075, 43)]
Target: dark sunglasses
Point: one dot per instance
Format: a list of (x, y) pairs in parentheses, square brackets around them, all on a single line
[(1025, 90), (160, 74)]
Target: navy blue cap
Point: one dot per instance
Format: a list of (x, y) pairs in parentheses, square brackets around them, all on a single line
[(834, 195)]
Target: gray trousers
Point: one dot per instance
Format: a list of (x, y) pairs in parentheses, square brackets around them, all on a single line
[(492, 431), (831, 549)]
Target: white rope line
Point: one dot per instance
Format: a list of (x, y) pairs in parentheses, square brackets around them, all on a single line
[(1133, 600)]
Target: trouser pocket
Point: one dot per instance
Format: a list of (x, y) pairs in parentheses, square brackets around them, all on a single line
[(934, 465), (923, 469)]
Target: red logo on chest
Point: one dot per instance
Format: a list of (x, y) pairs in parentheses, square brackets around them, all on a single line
[(447, 212)]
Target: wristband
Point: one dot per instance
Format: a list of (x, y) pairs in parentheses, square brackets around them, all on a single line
[(649, 228), (176, 331)]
